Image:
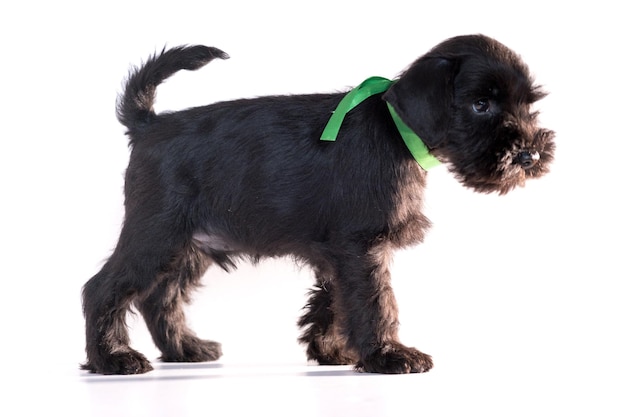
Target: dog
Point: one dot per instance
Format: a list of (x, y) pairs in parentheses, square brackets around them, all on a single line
[(252, 179)]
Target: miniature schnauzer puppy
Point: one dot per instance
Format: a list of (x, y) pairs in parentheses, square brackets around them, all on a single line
[(252, 179)]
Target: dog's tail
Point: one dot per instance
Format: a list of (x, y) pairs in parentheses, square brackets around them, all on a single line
[(135, 105)]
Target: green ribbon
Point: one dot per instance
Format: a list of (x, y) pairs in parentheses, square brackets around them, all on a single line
[(416, 146), (368, 88)]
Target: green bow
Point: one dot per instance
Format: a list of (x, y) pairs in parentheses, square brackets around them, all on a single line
[(368, 88)]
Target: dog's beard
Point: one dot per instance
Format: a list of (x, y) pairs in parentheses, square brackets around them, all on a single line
[(498, 169)]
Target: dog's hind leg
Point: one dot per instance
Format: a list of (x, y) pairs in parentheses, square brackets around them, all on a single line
[(106, 300), (148, 244), (162, 310)]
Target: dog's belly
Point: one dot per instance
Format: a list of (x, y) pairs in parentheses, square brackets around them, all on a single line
[(214, 243)]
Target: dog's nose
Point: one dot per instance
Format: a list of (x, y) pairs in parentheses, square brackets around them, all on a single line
[(527, 159)]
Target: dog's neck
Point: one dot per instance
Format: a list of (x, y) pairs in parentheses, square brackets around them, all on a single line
[(368, 88)]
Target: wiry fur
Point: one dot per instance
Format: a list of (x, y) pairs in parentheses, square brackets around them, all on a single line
[(250, 178)]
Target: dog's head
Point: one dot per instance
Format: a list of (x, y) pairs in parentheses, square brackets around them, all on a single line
[(470, 100)]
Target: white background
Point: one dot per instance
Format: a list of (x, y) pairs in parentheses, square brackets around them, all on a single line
[(520, 299)]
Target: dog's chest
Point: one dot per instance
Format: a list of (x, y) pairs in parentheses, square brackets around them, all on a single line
[(407, 223)]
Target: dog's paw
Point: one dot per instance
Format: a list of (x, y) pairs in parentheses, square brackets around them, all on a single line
[(394, 358), (193, 349), (128, 362)]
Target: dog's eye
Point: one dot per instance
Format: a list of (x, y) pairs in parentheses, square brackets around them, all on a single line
[(481, 105)]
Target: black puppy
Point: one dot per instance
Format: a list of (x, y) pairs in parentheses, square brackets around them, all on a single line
[(251, 178)]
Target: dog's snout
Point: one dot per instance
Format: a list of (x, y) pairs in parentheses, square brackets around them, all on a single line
[(527, 159)]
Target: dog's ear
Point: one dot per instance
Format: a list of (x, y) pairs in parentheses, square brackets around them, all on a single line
[(423, 96)]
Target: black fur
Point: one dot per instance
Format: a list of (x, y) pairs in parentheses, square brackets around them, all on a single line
[(250, 178)]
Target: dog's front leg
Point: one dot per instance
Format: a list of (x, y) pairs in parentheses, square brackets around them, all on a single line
[(369, 314)]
